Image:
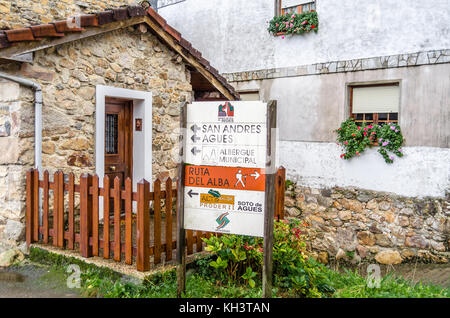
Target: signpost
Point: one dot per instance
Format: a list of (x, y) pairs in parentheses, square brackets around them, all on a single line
[(227, 174)]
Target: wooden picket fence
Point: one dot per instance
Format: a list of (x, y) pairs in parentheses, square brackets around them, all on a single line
[(70, 220)]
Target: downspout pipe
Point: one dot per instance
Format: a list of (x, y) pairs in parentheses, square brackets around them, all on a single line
[(38, 115)]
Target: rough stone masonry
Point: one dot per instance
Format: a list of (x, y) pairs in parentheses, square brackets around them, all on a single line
[(356, 225)]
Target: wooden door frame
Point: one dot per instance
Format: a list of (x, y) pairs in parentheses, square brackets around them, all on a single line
[(128, 132)]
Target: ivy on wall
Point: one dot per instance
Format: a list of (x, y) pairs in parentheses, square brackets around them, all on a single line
[(297, 23), (355, 139)]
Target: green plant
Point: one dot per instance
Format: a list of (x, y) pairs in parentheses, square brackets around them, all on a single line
[(355, 139), (240, 257), (235, 255), (297, 23), (248, 276)]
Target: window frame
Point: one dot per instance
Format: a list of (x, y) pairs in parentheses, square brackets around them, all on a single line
[(280, 11), (375, 116)]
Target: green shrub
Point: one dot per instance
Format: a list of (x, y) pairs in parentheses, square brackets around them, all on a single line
[(239, 259)]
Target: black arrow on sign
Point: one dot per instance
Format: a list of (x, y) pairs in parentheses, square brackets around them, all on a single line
[(195, 138), (190, 193), (195, 128), (195, 151)]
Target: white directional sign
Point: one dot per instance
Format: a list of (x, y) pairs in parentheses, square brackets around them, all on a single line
[(226, 144)]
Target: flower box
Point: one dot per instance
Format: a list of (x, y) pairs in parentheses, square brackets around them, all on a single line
[(297, 23), (355, 139)]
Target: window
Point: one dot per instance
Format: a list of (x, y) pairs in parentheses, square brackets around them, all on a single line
[(376, 104), (111, 133), (295, 6), (249, 96)]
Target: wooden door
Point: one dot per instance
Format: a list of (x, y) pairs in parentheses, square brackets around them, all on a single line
[(118, 139)]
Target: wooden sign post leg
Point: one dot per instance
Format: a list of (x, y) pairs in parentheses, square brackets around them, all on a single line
[(181, 233), (269, 202)]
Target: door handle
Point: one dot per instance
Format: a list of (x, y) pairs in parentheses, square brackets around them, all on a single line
[(112, 168)]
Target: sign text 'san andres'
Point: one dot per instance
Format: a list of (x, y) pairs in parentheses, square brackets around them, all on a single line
[(224, 133)]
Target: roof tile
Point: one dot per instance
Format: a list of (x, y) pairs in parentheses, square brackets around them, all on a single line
[(45, 30), (172, 32), (136, 11), (87, 20), (105, 17), (120, 14), (17, 35), (63, 26), (159, 19), (4, 41)]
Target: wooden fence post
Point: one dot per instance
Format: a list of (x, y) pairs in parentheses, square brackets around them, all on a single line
[(30, 207), (106, 208), (169, 219), (157, 221), (85, 215), (71, 216), (45, 205), (282, 188), (117, 209), (143, 226), (60, 200), (95, 215), (36, 205), (128, 221)]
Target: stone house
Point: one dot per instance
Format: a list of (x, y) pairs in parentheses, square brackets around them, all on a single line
[(99, 92), (385, 49)]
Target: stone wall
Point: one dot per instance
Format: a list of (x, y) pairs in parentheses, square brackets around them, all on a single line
[(68, 75), (16, 157), (17, 13), (357, 225)]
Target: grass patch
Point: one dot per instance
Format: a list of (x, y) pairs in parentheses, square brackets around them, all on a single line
[(103, 282), (352, 285)]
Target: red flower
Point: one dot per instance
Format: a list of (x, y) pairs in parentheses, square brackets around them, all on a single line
[(365, 134), (353, 135), (313, 26)]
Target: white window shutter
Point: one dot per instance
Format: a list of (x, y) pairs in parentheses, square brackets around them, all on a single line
[(246, 97), (376, 99), (293, 3)]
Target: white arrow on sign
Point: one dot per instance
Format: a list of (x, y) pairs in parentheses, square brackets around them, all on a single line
[(256, 175)]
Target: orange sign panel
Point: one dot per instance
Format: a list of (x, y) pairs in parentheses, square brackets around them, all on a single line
[(234, 178)]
